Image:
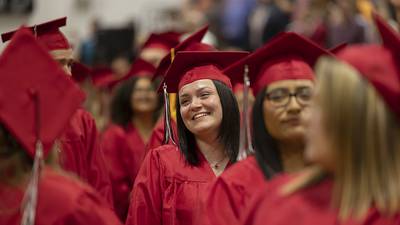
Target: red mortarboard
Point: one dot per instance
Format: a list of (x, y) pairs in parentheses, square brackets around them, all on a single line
[(379, 64), (287, 56), (37, 98), (80, 72), (389, 37), (188, 67), (139, 67), (103, 77), (338, 48), (191, 43), (164, 41), (48, 34)]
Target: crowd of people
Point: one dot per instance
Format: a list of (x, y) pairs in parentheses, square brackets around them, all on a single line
[(301, 129)]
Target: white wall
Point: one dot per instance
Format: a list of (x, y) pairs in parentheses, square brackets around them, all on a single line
[(81, 12)]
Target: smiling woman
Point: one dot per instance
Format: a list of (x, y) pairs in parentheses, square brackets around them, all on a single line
[(204, 115), (172, 181)]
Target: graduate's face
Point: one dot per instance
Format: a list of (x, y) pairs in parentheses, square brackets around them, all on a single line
[(285, 115), (64, 59), (200, 108), (143, 97), (319, 147)]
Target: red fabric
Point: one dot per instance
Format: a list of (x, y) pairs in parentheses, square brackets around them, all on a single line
[(379, 66), (230, 194), (191, 43), (164, 41), (167, 190), (124, 151), (290, 67), (62, 200), (311, 205), (189, 66), (47, 34), (287, 56), (32, 81), (204, 72), (81, 153), (157, 137)]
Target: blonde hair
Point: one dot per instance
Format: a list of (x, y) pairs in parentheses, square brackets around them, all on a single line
[(365, 134)]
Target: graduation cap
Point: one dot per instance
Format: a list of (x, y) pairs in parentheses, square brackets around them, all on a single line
[(103, 77), (191, 43), (390, 38), (48, 34), (80, 72), (379, 64), (188, 67), (165, 41), (287, 56), (37, 98), (139, 68)]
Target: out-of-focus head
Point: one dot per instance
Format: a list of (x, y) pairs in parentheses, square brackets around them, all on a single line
[(48, 34), (158, 46), (356, 127), (282, 80)]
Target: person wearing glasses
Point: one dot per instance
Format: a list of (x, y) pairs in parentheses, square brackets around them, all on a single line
[(352, 143), (282, 80)]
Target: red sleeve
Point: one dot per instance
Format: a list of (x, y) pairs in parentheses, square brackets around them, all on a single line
[(98, 175), (146, 199), (222, 203)]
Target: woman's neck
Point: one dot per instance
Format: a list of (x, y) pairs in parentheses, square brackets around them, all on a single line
[(144, 124), (292, 156), (214, 152)]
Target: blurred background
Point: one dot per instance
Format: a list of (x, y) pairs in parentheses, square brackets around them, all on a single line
[(108, 35), (102, 30)]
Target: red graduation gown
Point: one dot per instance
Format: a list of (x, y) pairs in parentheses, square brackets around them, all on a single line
[(81, 153), (167, 190), (62, 200), (157, 137), (231, 192), (124, 150), (311, 205)]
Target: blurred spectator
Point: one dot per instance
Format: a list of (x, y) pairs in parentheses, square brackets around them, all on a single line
[(342, 23), (257, 21), (87, 49), (234, 17), (279, 18)]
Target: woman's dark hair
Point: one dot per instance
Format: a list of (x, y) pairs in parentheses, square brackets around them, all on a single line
[(8, 144), (13, 157), (121, 110), (266, 148), (228, 132)]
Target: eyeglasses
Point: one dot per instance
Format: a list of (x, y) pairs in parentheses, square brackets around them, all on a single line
[(280, 97)]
